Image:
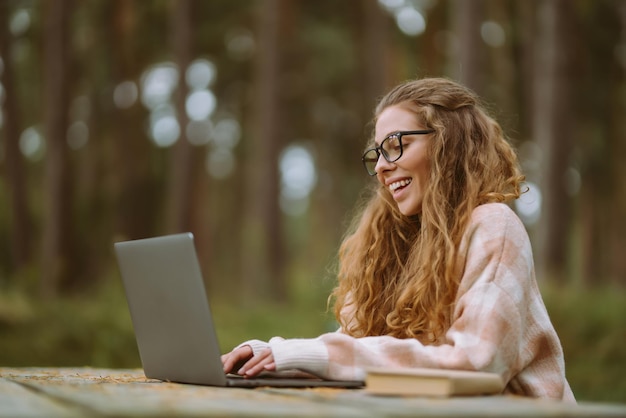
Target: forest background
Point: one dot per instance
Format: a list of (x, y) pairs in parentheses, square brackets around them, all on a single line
[(244, 122)]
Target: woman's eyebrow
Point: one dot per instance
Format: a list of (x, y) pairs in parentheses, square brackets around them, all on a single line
[(384, 137)]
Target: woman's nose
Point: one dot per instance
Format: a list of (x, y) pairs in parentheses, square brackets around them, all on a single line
[(382, 164)]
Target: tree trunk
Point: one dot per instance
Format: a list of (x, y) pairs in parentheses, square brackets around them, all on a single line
[(617, 135), (553, 109), (183, 163), (375, 30), (20, 221), (263, 259), (468, 65), (523, 53), (56, 267), (606, 117), (134, 184)]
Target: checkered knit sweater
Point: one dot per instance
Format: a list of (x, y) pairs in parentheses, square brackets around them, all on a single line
[(499, 324)]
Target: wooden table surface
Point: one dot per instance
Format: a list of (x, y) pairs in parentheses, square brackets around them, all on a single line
[(70, 392)]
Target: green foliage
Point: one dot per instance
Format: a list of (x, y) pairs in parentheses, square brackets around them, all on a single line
[(90, 329), (95, 330), (591, 324)]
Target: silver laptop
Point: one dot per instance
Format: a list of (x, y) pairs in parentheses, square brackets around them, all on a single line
[(172, 319)]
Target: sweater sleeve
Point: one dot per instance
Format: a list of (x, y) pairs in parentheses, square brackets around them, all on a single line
[(499, 322)]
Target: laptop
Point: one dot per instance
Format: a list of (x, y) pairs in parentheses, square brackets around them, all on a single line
[(172, 319)]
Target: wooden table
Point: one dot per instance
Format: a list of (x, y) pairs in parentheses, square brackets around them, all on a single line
[(70, 392)]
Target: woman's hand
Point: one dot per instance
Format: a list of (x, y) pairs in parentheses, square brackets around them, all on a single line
[(247, 363)]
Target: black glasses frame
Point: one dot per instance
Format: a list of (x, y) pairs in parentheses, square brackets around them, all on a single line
[(381, 151)]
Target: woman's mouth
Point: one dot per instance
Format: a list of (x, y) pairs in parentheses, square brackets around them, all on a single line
[(396, 185)]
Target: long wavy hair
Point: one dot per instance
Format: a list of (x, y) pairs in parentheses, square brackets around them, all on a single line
[(399, 275)]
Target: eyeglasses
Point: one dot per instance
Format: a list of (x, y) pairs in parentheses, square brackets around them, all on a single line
[(390, 148)]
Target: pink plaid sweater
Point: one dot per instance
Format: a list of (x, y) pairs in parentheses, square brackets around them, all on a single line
[(499, 324)]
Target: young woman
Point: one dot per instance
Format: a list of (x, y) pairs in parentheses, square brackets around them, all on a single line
[(437, 271)]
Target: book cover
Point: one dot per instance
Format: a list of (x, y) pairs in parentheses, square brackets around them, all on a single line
[(431, 382)]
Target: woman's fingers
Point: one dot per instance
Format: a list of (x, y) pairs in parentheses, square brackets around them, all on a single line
[(261, 362), (251, 365), (236, 357)]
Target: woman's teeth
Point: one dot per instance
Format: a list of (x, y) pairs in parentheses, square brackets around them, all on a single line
[(397, 184)]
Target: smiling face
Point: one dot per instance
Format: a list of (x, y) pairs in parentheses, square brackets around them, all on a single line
[(407, 178)]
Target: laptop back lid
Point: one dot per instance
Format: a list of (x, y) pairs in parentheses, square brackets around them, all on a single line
[(169, 309)]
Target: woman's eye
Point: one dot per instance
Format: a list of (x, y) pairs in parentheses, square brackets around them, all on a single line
[(393, 143)]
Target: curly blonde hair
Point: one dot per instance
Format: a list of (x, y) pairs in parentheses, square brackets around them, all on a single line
[(399, 275)]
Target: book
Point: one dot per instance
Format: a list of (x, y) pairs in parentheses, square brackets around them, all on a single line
[(431, 382)]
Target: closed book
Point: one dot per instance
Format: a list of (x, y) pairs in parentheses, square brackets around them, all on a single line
[(431, 382)]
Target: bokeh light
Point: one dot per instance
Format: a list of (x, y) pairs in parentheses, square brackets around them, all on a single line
[(493, 34), (77, 135), (528, 206), (199, 132), (125, 94), (298, 178), (20, 22), (164, 128), (409, 14), (32, 144), (410, 21), (200, 74), (220, 163), (227, 133), (200, 104), (240, 44), (157, 84)]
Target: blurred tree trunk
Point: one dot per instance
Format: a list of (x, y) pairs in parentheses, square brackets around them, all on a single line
[(56, 267), (502, 86), (603, 144), (20, 222), (183, 163), (524, 23), (551, 125), (373, 46), (134, 184), (431, 47), (468, 66), (93, 161), (263, 257), (617, 139)]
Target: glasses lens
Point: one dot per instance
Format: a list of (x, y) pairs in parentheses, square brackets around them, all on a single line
[(370, 159), (392, 148)]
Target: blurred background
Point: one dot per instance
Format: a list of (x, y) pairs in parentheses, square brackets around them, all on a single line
[(244, 123)]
